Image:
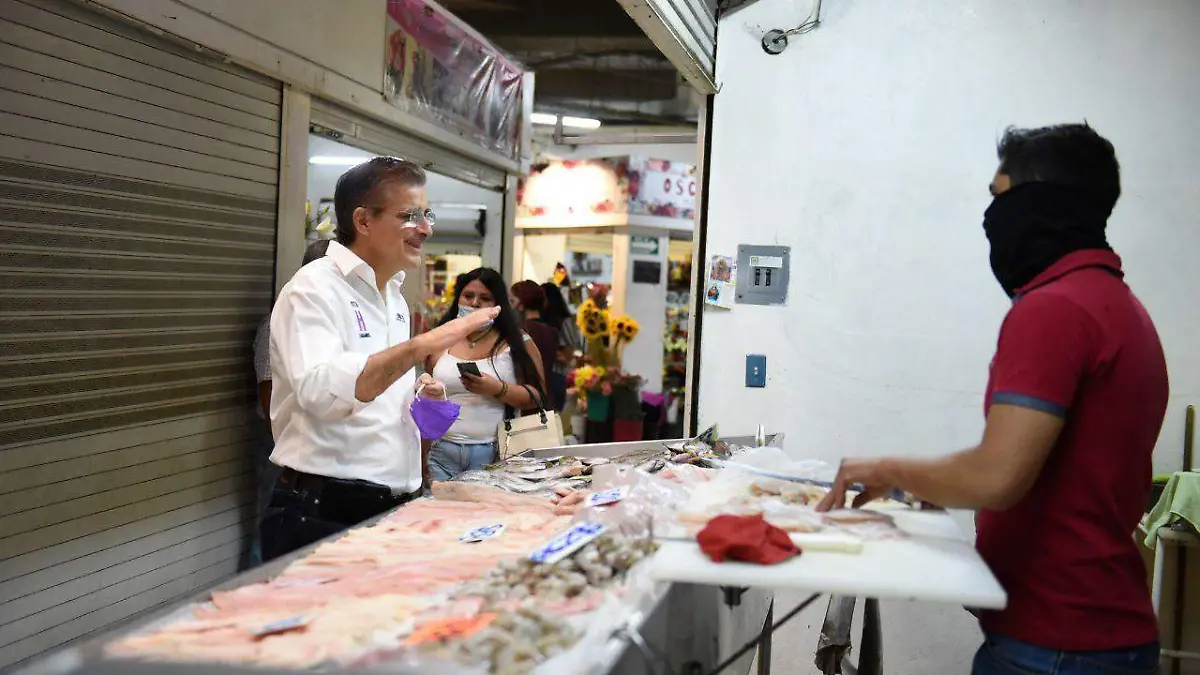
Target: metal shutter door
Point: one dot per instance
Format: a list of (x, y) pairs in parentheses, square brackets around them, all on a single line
[(138, 184)]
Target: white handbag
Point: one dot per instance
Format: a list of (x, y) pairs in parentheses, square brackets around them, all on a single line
[(542, 429)]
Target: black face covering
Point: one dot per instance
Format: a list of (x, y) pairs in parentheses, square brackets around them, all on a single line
[(1033, 225)]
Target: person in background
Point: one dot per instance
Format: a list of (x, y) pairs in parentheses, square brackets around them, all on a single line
[(265, 472), (510, 375), (1074, 405), (342, 362), (529, 301), (559, 317)]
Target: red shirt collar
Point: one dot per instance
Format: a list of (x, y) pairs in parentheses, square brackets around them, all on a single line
[(1071, 262)]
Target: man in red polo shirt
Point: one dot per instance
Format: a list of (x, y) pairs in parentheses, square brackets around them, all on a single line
[(1074, 405)]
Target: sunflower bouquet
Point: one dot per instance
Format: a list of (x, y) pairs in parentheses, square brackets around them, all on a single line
[(603, 378)]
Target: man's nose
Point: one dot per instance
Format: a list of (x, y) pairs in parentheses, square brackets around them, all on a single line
[(424, 227)]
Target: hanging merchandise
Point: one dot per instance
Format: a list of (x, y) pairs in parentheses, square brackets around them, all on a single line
[(438, 68)]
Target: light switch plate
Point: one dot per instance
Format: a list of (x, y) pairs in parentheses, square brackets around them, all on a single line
[(756, 371), (762, 277)]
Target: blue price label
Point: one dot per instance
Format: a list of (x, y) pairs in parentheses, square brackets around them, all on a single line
[(609, 496), (481, 533), (567, 543), (282, 626)]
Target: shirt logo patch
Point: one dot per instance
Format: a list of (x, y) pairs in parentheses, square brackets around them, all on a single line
[(401, 318), (362, 325)]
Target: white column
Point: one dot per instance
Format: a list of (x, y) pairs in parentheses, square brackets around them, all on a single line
[(293, 184)]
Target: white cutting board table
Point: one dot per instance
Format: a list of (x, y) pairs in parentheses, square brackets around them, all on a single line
[(934, 563)]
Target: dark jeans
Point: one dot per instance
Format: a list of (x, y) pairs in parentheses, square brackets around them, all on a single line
[(265, 475), (298, 517), (1001, 655), (557, 384)]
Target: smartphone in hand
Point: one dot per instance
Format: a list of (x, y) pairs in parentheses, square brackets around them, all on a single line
[(469, 368)]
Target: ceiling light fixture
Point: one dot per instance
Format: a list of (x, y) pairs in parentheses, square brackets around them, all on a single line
[(550, 119), (332, 160)]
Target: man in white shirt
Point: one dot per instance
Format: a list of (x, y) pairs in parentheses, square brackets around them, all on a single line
[(342, 362)]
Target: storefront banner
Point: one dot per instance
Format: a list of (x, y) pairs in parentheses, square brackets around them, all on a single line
[(575, 192), (662, 188), (440, 70)]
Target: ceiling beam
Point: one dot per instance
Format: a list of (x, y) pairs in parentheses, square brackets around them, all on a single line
[(606, 85)]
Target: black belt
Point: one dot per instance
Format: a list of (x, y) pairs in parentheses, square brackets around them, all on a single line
[(316, 485)]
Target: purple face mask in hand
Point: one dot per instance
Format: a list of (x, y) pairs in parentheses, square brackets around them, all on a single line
[(433, 417)]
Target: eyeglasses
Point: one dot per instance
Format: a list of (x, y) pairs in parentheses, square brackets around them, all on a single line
[(413, 217)]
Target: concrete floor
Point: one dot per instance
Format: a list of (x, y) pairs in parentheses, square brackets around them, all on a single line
[(918, 638)]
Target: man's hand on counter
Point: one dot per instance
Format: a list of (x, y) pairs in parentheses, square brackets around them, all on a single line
[(993, 475), (385, 367)]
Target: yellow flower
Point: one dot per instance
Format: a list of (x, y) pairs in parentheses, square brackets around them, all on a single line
[(630, 328)]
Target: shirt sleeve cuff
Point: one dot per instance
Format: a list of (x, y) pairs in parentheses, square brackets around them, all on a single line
[(1030, 402), (343, 376)]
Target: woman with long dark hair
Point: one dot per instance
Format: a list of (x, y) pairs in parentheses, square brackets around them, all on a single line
[(507, 362)]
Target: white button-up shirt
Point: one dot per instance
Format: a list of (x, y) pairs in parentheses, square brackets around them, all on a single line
[(328, 319)]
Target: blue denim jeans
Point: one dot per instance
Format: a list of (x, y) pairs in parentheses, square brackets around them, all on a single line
[(1001, 655), (447, 460), (265, 474)]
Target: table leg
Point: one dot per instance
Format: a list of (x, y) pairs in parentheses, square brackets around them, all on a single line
[(764, 646), (1157, 582)]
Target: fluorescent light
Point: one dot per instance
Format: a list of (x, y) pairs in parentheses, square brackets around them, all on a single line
[(331, 160), (580, 122), (550, 119)]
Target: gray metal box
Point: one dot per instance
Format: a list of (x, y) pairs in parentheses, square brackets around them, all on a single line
[(762, 274)]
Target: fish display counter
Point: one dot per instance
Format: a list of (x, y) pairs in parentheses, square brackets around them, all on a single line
[(490, 575)]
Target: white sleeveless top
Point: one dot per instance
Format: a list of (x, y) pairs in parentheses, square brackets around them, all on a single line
[(480, 415)]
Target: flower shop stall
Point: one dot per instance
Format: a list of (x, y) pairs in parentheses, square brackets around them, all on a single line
[(612, 230), (608, 397)]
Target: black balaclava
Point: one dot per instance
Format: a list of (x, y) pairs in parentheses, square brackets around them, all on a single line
[(1033, 225)]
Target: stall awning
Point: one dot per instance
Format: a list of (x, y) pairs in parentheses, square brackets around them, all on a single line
[(685, 31)]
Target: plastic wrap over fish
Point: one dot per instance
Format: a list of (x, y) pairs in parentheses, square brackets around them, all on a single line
[(436, 67), (647, 502)]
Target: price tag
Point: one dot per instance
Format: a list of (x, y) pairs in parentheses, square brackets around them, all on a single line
[(282, 626), (609, 496), (481, 533), (575, 538)]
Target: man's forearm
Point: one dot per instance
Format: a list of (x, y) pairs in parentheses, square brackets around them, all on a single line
[(385, 367), (957, 481)]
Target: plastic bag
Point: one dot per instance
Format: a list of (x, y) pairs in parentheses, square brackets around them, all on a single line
[(646, 502)]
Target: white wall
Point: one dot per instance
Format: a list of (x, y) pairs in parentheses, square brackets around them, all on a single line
[(867, 147), (648, 304), (881, 126)]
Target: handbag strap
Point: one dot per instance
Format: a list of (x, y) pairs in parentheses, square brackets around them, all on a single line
[(539, 401)]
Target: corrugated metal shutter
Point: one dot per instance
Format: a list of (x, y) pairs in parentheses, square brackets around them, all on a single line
[(361, 132), (138, 183), (685, 31)]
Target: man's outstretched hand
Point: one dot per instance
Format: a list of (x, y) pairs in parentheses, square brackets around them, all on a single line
[(872, 474)]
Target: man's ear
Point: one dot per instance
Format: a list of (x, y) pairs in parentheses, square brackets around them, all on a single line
[(362, 224)]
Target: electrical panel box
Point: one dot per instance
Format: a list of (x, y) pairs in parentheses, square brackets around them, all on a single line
[(762, 276)]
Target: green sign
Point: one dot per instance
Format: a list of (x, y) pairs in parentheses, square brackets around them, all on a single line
[(643, 245)]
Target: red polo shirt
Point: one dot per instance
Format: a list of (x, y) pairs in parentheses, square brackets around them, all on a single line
[(1078, 344)]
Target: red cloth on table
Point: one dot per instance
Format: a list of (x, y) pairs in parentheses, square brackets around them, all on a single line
[(747, 539)]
